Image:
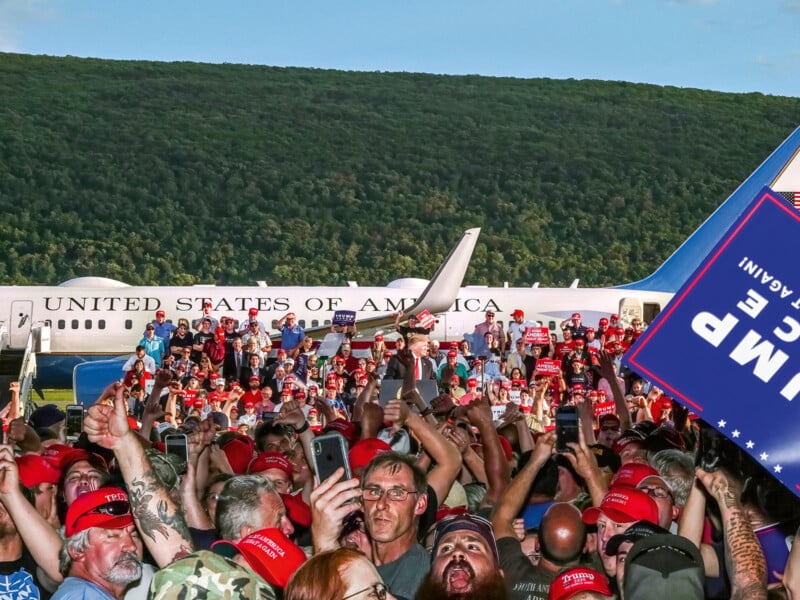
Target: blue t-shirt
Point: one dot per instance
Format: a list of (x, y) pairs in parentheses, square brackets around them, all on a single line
[(75, 588)]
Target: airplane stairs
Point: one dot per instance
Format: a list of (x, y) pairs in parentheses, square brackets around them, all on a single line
[(11, 360)]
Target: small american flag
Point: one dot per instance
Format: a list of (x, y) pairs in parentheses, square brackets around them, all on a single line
[(793, 197)]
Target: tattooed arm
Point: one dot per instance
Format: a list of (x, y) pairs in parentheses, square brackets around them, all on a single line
[(159, 520), (743, 555)]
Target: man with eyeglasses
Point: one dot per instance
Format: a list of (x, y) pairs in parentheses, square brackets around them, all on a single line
[(464, 561), (658, 490), (102, 554), (394, 495)]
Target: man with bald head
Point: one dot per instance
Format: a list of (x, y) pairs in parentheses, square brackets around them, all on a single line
[(562, 536)]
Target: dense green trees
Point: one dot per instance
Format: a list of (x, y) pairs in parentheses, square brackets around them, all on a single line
[(186, 173)]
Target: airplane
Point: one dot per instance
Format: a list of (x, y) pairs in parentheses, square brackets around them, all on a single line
[(91, 318)]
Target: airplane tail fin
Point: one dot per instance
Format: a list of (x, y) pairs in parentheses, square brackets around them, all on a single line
[(440, 293), (780, 171)]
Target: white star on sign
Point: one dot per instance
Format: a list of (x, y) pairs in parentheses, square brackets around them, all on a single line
[(778, 468), (764, 456), (735, 433), (721, 423), (749, 444)]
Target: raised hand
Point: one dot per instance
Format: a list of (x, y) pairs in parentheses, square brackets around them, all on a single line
[(105, 425)]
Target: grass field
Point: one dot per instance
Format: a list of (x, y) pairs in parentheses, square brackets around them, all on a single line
[(59, 397)]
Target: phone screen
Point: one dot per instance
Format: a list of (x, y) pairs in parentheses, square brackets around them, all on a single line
[(330, 453), (74, 421), (566, 428), (177, 444), (268, 415)]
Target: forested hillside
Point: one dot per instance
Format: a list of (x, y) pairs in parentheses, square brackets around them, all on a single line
[(180, 173)]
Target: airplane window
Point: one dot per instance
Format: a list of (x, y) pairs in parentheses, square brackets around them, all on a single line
[(274, 323), (62, 324), (87, 323), (551, 325), (128, 324), (74, 323), (314, 323), (302, 322), (101, 324)]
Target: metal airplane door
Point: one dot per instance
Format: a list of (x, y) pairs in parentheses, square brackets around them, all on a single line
[(19, 323)]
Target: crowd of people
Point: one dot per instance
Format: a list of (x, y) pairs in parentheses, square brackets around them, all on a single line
[(472, 491)]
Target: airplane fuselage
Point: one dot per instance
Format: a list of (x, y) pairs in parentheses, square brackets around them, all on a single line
[(86, 323)]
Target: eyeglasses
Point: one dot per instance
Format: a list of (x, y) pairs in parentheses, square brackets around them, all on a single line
[(656, 492), (115, 509), (378, 591), (396, 494)]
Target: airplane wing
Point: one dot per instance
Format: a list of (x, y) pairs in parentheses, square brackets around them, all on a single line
[(437, 297)]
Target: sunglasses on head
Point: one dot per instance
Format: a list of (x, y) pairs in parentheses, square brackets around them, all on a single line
[(116, 508)]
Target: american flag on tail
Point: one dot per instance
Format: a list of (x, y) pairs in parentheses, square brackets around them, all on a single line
[(793, 197)]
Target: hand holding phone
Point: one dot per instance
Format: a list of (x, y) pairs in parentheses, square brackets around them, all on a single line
[(330, 453), (566, 428)]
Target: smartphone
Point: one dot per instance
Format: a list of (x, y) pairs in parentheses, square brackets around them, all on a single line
[(74, 421), (177, 444), (330, 453), (268, 415), (566, 427)]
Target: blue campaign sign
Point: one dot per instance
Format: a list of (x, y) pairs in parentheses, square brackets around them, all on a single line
[(344, 318), (727, 347)]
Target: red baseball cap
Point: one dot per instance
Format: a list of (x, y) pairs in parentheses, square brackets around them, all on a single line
[(161, 313), (270, 460), (452, 353), (378, 337), (517, 313), (362, 453), (298, 511), (239, 454), (472, 382), (345, 428), (579, 579), (252, 311), (576, 315), (603, 322), (35, 469), (623, 504), (268, 552), (633, 473), (107, 508)]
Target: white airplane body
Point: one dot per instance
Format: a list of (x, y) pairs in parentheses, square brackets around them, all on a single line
[(93, 318)]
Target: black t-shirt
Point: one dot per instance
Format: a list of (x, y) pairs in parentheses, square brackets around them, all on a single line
[(524, 580), (18, 579)]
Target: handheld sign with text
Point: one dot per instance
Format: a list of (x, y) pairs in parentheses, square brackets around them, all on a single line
[(537, 335), (726, 346), (426, 319), (344, 318), (548, 366), (604, 408)]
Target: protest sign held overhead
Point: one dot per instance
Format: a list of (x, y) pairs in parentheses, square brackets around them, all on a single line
[(727, 345)]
